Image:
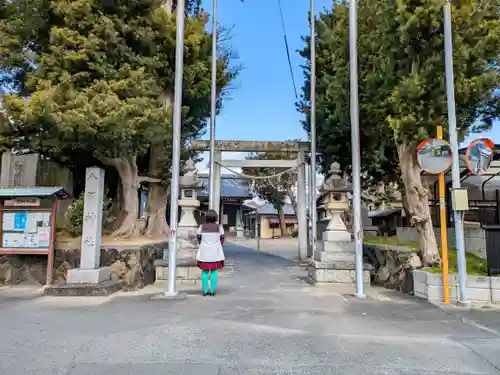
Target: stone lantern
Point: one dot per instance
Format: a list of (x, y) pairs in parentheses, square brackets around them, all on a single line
[(190, 185), (335, 203), (334, 259)]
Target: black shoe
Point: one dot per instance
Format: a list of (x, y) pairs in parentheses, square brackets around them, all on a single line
[(206, 294), (212, 294)]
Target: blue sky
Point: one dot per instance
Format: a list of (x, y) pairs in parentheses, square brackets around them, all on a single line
[(262, 105)]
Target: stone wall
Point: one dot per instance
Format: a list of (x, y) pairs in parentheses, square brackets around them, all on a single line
[(475, 238), (132, 264), (392, 266)]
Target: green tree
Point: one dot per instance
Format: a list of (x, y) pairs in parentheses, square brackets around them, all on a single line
[(402, 89), (98, 78), (279, 186)]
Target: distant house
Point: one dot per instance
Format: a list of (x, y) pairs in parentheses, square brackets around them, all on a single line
[(270, 222)]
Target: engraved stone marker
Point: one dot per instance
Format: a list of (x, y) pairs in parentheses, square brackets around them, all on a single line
[(89, 271), (92, 218)]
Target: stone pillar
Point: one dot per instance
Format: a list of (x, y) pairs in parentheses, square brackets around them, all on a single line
[(301, 206), (217, 171), (310, 197), (239, 223), (89, 271)]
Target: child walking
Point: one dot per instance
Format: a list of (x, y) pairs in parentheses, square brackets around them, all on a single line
[(210, 255)]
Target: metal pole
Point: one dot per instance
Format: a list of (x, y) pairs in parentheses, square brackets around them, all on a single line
[(213, 110), (356, 168), (308, 206), (455, 168), (176, 150), (313, 126)]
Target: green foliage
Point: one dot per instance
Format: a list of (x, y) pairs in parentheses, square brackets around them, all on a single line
[(402, 92), (475, 265), (96, 75), (74, 215)]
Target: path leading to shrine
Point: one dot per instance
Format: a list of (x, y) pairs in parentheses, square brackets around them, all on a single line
[(265, 320)]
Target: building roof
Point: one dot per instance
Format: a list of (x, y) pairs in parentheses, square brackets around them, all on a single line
[(231, 187), (384, 213), (268, 209), (41, 192)]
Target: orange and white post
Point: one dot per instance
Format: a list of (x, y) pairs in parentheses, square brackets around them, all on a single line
[(444, 229)]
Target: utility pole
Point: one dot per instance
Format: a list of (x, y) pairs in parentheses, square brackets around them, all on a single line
[(176, 150), (312, 201), (455, 167), (213, 110), (356, 162)]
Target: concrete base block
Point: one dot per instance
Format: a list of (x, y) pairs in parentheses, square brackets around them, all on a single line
[(333, 256), (480, 289), (103, 289), (344, 273), (88, 276), (435, 292), (337, 236), (332, 246), (188, 273)]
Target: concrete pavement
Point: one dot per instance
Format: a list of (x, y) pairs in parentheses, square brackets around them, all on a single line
[(265, 320)]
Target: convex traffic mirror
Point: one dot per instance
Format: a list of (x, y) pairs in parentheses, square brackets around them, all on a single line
[(479, 156), (434, 155)]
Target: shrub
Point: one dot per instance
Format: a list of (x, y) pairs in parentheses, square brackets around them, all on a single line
[(74, 215)]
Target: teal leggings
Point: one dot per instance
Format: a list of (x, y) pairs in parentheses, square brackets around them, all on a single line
[(214, 276)]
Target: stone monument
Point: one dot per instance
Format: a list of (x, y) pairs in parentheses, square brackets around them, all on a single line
[(190, 184), (90, 271), (334, 259)]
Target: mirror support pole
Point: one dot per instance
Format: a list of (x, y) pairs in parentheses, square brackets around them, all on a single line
[(455, 168)]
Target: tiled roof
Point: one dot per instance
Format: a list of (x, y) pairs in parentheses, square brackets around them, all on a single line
[(268, 209), (42, 192), (231, 187)]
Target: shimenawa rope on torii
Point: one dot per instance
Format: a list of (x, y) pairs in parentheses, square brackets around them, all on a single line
[(243, 175)]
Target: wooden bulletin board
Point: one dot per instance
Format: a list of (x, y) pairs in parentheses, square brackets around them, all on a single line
[(27, 226)]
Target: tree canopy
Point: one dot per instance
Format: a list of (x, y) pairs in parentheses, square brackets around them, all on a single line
[(279, 187), (402, 92), (96, 79)]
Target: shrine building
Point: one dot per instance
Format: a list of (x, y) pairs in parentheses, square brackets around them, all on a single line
[(234, 191)]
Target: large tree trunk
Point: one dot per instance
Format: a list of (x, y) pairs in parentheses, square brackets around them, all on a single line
[(418, 203), (281, 214), (117, 208), (129, 179), (157, 198)]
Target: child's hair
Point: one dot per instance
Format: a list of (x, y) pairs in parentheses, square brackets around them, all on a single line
[(211, 216)]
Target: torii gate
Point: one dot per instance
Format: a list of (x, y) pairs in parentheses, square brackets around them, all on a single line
[(301, 148)]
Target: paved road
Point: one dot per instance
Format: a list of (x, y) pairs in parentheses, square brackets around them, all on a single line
[(265, 320)]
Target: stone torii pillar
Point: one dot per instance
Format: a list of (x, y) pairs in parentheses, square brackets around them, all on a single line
[(301, 206)]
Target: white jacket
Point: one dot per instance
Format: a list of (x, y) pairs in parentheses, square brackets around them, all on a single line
[(210, 248)]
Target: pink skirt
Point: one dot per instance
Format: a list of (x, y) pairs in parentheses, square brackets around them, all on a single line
[(211, 266)]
